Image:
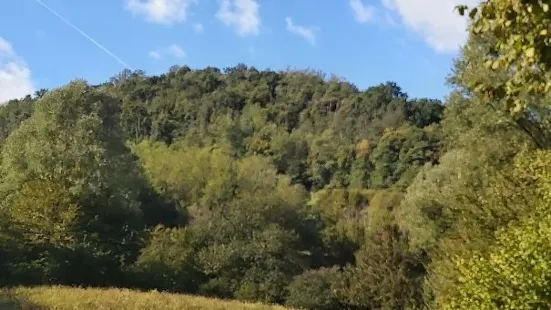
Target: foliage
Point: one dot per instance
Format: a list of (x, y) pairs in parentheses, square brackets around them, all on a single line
[(522, 41), (386, 274), (168, 262), (315, 289), (42, 213), (70, 153), (514, 272), (400, 152), (522, 49), (12, 114), (283, 187)]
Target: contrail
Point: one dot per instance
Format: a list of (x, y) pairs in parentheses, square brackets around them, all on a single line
[(84, 34)]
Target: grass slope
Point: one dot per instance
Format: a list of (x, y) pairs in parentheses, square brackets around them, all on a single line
[(61, 298)]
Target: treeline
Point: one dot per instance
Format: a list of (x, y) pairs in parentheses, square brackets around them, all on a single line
[(283, 187)]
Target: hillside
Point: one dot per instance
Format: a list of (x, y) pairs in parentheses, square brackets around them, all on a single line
[(63, 298), (234, 183)]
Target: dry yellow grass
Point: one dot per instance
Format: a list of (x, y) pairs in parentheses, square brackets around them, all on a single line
[(64, 298)]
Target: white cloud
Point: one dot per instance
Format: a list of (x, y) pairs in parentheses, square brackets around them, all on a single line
[(435, 20), (198, 28), (15, 76), (308, 33), (370, 14), (362, 13), (161, 11), (173, 50), (242, 15)]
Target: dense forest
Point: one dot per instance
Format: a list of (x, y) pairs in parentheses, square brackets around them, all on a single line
[(291, 187)]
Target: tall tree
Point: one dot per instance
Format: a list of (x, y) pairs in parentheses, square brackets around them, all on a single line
[(73, 140)]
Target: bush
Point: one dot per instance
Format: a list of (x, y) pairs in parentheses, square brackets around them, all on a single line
[(315, 289), (515, 273), (168, 262)]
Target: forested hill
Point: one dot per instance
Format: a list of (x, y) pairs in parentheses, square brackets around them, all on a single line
[(279, 187), (310, 127), (263, 175)]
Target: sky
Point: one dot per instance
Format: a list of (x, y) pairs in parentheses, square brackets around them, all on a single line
[(48, 43)]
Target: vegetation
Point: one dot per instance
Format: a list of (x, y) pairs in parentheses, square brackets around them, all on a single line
[(62, 298), (291, 187)]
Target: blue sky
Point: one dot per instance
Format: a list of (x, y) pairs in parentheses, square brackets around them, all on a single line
[(411, 42)]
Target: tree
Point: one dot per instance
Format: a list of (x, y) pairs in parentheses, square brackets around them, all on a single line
[(400, 153), (12, 114), (315, 289), (251, 245), (73, 140), (43, 213), (514, 271), (386, 274), (41, 223), (522, 49), (168, 261)]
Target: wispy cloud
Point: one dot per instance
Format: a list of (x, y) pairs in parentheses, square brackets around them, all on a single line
[(371, 14), (242, 15), (173, 50), (308, 33), (161, 11), (362, 13)]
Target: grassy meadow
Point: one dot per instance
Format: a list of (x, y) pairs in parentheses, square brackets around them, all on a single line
[(62, 298)]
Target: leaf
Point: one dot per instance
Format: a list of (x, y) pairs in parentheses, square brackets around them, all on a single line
[(472, 13), (530, 52), (461, 9), (518, 46)]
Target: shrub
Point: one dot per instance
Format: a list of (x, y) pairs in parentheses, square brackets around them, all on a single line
[(315, 289)]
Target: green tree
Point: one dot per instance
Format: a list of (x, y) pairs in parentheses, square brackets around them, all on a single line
[(513, 272), (252, 244), (521, 41), (73, 140), (168, 261), (315, 289), (386, 274), (400, 153)]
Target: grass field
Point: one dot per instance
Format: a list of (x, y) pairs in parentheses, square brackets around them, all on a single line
[(64, 298)]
